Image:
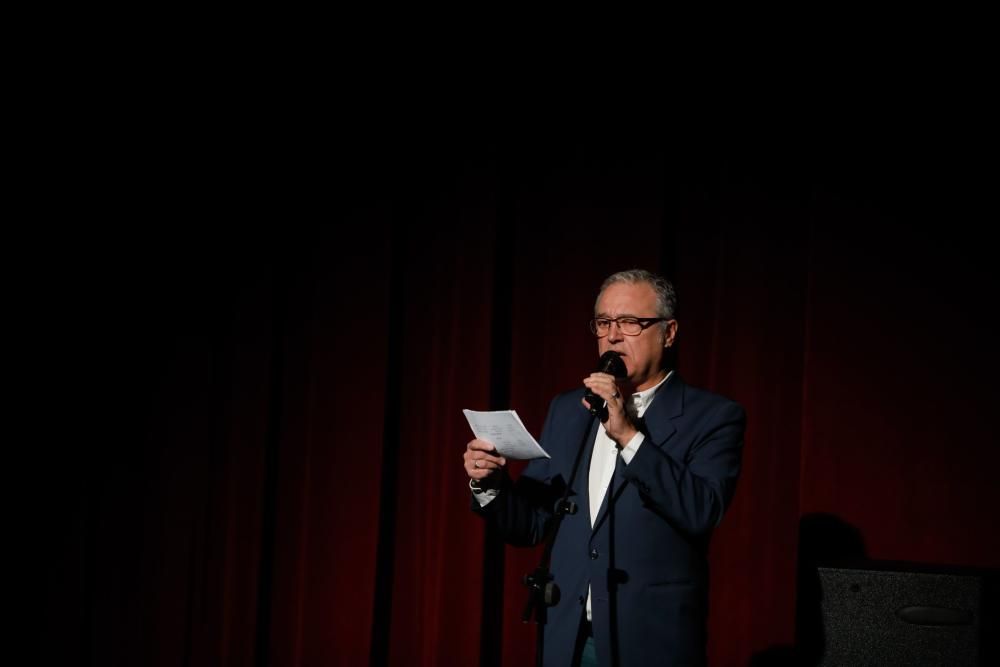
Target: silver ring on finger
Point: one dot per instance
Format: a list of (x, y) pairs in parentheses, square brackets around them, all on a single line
[(615, 395), (477, 463)]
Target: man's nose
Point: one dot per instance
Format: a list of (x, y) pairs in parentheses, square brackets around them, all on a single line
[(614, 332)]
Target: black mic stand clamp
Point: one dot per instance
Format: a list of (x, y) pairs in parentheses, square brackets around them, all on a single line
[(544, 593), (564, 506)]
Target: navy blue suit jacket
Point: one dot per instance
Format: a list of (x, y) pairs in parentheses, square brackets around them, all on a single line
[(645, 558)]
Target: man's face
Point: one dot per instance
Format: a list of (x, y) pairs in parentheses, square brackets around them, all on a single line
[(642, 354)]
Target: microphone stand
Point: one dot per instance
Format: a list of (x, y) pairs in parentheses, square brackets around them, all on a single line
[(543, 591)]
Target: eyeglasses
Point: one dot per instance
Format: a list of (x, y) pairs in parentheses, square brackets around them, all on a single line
[(630, 326)]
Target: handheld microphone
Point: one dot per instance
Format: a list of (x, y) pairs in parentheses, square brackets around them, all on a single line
[(611, 363)]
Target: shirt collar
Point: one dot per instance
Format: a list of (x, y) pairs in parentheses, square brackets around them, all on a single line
[(642, 399)]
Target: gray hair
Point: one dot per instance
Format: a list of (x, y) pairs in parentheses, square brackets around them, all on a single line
[(666, 296)]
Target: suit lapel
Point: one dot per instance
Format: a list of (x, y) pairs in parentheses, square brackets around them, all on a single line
[(580, 485)]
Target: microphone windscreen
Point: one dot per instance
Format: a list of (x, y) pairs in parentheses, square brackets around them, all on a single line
[(612, 364)]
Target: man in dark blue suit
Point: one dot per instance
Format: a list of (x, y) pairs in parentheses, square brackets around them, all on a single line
[(656, 476)]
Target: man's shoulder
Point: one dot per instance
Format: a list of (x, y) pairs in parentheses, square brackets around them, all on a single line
[(703, 400), (699, 394)]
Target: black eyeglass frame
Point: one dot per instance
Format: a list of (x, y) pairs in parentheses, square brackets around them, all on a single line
[(643, 322)]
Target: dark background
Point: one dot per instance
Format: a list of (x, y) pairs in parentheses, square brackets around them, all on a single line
[(254, 377)]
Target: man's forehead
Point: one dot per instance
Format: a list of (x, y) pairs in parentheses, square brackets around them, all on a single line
[(621, 297)]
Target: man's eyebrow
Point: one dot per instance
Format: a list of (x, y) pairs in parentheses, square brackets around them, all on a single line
[(617, 317)]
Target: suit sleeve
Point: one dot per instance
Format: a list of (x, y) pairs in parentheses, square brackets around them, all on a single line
[(523, 509), (694, 493)]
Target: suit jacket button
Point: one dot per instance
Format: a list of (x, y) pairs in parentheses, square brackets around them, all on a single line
[(593, 554), (582, 600)]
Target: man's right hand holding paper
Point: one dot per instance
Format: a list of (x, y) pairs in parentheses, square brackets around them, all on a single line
[(482, 460)]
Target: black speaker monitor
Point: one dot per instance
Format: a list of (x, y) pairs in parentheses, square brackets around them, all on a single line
[(895, 617)]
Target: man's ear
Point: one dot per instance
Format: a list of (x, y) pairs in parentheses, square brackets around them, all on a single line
[(670, 333)]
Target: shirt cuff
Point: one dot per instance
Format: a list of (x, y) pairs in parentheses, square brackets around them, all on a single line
[(629, 450), (483, 496)]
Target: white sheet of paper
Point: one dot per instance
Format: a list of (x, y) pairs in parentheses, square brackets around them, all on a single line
[(504, 429)]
